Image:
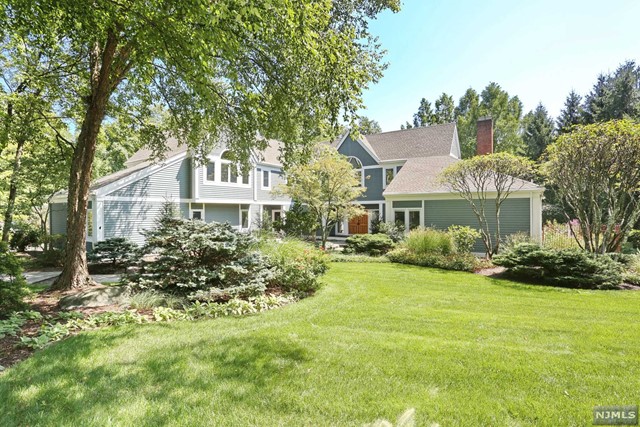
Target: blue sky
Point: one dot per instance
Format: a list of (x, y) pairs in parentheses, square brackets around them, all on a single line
[(538, 50)]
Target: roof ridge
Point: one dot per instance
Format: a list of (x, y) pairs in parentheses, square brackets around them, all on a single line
[(413, 128)]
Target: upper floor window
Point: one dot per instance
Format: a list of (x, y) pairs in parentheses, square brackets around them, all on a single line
[(389, 174), (266, 179), (211, 171), (228, 170), (357, 165)]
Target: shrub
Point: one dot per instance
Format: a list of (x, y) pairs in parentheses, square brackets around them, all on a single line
[(12, 284), (565, 267), (25, 235), (297, 265), (116, 251), (52, 258), (634, 239), (464, 237), (515, 239), (299, 222), (452, 261), (370, 244), (201, 261), (429, 240), (394, 231)]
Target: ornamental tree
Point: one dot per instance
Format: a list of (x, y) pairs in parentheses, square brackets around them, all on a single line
[(223, 70), (328, 186), (595, 172), (488, 180)]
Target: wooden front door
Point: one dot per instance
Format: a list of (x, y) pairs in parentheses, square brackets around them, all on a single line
[(359, 224)]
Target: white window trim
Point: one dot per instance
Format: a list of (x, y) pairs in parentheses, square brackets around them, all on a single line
[(248, 210), (406, 216), (262, 186), (218, 161), (273, 214), (395, 170), (191, 211)]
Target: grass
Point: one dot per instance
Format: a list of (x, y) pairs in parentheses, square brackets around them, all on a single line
[(462, 349)]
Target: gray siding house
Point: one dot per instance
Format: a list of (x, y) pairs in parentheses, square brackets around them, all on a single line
[(126, 203), (399, 170)]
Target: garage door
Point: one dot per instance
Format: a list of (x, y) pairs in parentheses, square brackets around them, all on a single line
[(514, 216)]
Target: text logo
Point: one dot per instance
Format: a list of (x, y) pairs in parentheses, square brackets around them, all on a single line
[(615, 415)]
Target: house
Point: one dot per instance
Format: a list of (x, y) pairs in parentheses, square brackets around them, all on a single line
[(126, 203), (399, 170)]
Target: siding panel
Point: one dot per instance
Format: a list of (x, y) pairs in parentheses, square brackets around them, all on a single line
[(514, 216), (129, 219), (58, 218), (353, 148), (277, 178), (222, 213), (373, 182), (171, 182)]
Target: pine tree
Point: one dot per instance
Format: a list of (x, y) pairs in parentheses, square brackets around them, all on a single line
[(445, 108), (571, 114), (424, 116), (594, 103), (538, 130)]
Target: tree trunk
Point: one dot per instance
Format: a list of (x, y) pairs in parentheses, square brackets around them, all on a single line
[(75, 272), (13, 191)]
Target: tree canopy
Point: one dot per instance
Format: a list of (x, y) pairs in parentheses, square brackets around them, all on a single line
[(225, 70), (594, 170), (327, 186)]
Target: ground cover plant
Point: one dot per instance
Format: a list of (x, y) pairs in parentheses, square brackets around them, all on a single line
[(461, 349)]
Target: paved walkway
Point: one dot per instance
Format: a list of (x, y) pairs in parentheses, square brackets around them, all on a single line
[(47, 277)]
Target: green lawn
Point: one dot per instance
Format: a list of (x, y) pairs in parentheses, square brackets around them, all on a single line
[(377, 339)]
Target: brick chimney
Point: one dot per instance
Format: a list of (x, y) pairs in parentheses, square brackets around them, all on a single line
[(484, 137)]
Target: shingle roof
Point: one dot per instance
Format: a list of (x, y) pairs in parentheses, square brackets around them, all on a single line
[(108, 179), (421, 176), (142, 159), (144, 154), (271, 154), (435, 140)]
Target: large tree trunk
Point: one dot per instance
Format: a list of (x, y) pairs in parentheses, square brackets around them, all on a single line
[(13, 191), (74, 271)]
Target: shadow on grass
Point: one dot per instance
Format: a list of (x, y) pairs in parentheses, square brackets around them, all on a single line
[(65, 384)]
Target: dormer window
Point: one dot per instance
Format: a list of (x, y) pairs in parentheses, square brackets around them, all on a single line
[(357, 165)]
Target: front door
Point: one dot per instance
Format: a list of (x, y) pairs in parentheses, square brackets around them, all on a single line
[(359, 224)]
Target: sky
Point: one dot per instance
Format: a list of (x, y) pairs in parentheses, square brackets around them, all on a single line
[(538, 50)]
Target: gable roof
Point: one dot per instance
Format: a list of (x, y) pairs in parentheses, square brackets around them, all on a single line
[(145, 154), (421, 176), (435, 140)]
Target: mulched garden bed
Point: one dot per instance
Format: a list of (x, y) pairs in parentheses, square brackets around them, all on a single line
[(46, 303)]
